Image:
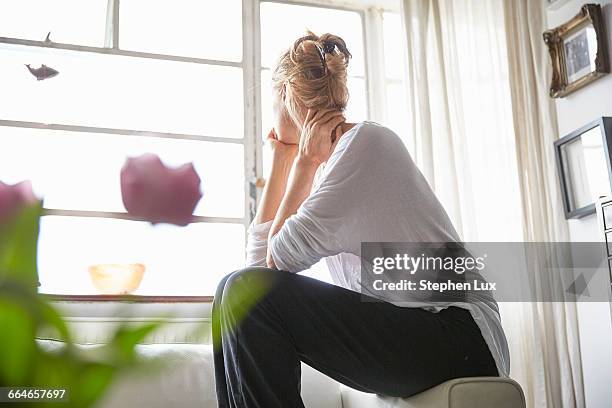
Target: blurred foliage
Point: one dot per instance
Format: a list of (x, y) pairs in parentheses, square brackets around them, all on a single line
[(23, 313)]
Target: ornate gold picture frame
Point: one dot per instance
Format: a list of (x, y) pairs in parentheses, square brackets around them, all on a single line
[(578, 50)]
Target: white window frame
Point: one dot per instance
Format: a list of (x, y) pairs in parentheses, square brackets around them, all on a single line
[(371, 12)]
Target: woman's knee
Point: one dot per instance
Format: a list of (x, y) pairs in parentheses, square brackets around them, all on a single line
[(249, 284), (221, 287), (222, 283)]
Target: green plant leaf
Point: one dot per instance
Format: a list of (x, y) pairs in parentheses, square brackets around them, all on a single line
[(93, 380), (19, 244), (17, 346), (51, 318), (122, 346)]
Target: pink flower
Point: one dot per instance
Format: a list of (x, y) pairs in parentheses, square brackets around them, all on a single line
[(14, 197), (156, 193)]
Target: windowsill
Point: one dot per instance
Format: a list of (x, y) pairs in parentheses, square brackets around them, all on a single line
[(127, 298), (131, 307), (92, 319)]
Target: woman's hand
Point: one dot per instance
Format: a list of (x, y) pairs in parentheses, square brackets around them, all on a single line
[(281, 152), (283, 155), (320, 134)]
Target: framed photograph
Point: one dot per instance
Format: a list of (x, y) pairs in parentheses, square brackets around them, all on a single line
[(578, 50), (555, 4), (584, 165)]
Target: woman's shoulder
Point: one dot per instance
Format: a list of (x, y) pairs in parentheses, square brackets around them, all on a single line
[(370, 136), (363, 145)]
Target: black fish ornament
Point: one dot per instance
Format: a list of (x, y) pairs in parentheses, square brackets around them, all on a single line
[(44, 72)]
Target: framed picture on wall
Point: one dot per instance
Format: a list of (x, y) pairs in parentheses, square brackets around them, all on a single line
[(578, 50), (555, 4), (584, 165)]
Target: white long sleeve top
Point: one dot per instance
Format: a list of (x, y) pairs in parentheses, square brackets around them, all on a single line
[(370, 190)]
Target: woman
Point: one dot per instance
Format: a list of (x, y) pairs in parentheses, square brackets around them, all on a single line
[(334, 185)]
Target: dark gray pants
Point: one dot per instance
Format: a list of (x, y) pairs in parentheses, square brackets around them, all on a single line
[(266, 321)]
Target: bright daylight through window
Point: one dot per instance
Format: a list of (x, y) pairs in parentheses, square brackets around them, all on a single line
[(175, 81)]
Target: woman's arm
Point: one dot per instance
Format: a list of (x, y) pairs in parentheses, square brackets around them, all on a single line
[(283, 156), (320, 134)]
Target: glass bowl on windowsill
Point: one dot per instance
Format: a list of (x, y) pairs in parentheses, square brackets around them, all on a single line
[(116, 279)]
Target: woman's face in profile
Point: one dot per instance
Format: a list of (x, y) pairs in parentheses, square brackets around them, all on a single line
[(284, 126)]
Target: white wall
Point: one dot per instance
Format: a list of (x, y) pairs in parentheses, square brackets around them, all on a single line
[(574, 111)]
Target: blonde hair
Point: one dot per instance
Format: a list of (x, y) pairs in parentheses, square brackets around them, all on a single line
[(312, 74)]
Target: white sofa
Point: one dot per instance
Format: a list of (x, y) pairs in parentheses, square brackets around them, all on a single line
[(187, 381), (187, 377)]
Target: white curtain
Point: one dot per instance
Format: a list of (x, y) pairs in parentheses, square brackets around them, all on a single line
[(535, 128), (488, 159), (461, 118)]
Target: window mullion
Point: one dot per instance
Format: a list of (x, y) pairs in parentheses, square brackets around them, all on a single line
[(116, 24), (251, 62), (58, 212), (115, 131), (111, 38), (375, 66)]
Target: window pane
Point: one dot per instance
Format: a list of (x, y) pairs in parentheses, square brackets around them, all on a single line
[(186, 261), (397, 109), (357, 108), (282, 24), (193, 28), (81, 170), (69, 21), (393, 35), (122, 92)]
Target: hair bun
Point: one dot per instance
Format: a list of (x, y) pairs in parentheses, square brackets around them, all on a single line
[(329, 46), (330, 43)]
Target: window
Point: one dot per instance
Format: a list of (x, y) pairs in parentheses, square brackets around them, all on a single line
[(396, 103), (187, 80)]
